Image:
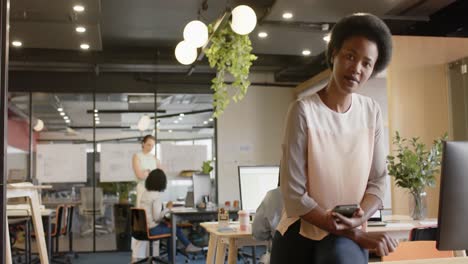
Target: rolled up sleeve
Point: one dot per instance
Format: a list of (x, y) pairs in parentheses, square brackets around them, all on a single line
[(376, 183), (293, 179)]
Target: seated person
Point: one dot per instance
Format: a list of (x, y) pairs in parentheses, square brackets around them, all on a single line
[(266, 219), (151, 201)]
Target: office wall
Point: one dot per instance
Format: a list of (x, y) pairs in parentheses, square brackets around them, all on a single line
[(250, 133), (418, 97)]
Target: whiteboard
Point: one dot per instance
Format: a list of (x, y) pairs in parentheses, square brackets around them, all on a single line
[(116, 162), (61, 163), (176, 158)]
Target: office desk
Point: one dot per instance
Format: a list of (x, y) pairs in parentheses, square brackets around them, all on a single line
[(400, 226), (46, 215), (235, 239), (192, 214), (430, 261), (30, 191)]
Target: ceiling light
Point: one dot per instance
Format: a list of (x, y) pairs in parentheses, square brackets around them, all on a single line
[(306, 52), (181, 114), (170, 130), (325, 27), (262, 34), (180, 118), (39, 125), (287, 15), (196, 33), (97, 118), (78, 8), (176, 121), (62, 113), (96, 114), (185, 53), (60, 109), (327, 38), (80, 29), (66, 118), (17, 43), (97, 122), (67, 121), (143, 123), (244, 20), (205, 122), (95, 111), (84, 46), (211, 119)]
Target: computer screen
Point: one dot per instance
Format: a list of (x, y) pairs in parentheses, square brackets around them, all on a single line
[(201, 187), (452, 233), (254, 183)]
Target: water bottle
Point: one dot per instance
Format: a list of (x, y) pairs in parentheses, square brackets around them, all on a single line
[(73, 194)]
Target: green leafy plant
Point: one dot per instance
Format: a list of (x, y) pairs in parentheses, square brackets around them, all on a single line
[(414, 167), (206, 167), (229, 52), (122, 189)]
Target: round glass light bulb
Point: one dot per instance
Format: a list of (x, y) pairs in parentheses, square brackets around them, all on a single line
[(143, 123), (244, 20), (185, 53), (39, 125), (196, 33)]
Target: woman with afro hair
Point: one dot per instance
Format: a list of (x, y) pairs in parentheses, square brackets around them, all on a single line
[(333, 154)]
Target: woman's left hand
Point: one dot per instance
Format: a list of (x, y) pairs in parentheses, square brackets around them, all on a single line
[(344, 223)]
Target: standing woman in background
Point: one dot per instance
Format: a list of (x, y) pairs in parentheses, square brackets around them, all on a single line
[(143, 163)]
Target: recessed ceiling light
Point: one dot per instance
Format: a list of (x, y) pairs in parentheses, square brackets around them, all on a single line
[(306, 52), (176, 121), (96, 114), (97, 118), (170, 130), (262, 34), (67, 121), (17, 43), (62, 113), (205, 122), (95, 111), (84, 46), (211, 119), (180, 118), (181, 114), (327, 38), (66, 118), (287, 15), (80, 29), (97, 122), (60, 109), (78, 8)]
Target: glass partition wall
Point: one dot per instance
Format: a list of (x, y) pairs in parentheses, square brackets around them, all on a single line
[(83, 146)]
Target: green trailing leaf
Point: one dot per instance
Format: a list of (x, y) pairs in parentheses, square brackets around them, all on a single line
[(229, 53), (413, 166)]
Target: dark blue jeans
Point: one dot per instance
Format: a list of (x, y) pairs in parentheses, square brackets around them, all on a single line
[(294, 248), (163, 228)]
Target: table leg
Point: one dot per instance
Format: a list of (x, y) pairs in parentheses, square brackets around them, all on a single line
[(220, 251), (174, 238), (232, 256), (211, 249), (49, 237), (7, 243), (38, 227)]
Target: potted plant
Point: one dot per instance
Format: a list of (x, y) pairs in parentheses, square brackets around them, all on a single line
[(414, 167), (206, 167), (229, 53)]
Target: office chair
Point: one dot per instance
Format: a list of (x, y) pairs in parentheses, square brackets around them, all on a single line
[(140, 231), (423, 233), (88, 209), (410, 250)]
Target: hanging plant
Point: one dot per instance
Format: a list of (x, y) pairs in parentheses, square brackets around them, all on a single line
[(229, 53)]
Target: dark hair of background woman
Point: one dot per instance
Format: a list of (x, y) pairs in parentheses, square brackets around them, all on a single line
[(148, 137), (362, 25), (156, 181)]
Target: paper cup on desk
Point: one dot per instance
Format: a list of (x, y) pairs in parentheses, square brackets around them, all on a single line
[(243, 220)]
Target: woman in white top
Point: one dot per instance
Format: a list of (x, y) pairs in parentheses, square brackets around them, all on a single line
[(333, 154), (144, 162), (155, 184)]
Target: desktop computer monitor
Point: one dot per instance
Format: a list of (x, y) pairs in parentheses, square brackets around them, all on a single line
[(452, 233), (254, 183), (201, 187)]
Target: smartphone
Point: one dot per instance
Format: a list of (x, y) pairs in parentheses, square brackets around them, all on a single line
[(346, 209)]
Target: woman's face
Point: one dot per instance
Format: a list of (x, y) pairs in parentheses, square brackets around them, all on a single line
[(148, 145), (353, 64)]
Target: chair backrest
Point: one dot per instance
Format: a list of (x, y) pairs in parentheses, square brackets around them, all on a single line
[(87, 205), (68, 219), (410, 250), (423, 233), (58, 219), (139, 225)]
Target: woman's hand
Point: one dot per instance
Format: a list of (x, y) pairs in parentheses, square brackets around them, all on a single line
[(344, 223), (380, 243)]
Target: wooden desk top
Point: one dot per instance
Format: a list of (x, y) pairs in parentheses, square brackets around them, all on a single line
[(212, 227), (461, 260)]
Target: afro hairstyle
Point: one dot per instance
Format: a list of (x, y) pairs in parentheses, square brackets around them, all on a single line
[(363, 25)]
